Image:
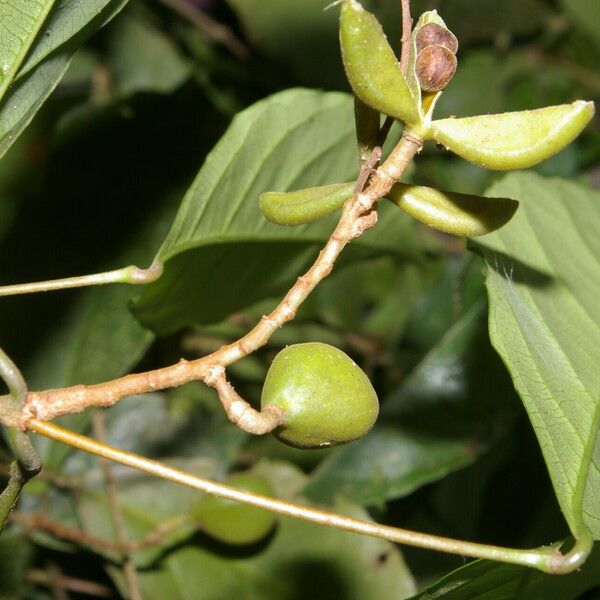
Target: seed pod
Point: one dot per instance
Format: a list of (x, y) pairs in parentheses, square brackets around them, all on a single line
[(514, 140), (435, 67), (433, 34), (458, 214), (304, 206), (371, 66)]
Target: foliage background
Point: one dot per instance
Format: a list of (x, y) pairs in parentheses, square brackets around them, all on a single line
[(94, 183)]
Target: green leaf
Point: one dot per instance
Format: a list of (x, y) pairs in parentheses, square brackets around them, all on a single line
[(544, 284), (27, 95), (21, 20), (142, 59), (221, 254), (514, 140), (487, 580), (300, 560), (67, 19), (15, 554), (458, 214), (372, 67), (407, 449), (304, 206), (47, 62), (586, 15)]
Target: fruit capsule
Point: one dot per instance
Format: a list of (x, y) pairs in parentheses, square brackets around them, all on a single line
[(304, 206), (458, 214), (232, 522), (326, 398), (371, 66), (434, 34), (513, 140), (435, 67)]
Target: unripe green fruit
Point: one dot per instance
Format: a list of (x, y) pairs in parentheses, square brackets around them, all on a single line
[(326, 398), (232, 522)]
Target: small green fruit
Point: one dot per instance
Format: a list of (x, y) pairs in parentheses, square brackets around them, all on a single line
[(232, 522), (326, 398)]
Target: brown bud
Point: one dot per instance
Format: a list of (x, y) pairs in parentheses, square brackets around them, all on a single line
[(435, 67), (433, 34)]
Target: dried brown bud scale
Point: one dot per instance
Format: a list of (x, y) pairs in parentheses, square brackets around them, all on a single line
[(435, 67), (433, 34)]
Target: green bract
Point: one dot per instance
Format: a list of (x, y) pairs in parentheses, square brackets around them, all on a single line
[(459, 214), (232, 522), (326, 398), (372, 67), (514, 140), (304, 206)]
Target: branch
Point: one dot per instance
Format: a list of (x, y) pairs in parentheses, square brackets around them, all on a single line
[(213, 30), (546, 559), (49, 404), (406, 36), (112, 496)]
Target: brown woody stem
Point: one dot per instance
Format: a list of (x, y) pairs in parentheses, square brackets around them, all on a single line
[(357, 216)]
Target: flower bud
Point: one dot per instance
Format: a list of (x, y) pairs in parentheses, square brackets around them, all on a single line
[(435, 67)]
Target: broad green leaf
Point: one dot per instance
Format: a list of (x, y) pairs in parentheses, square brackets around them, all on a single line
[(67, 26), (221, 253), (544, 288), (487, 580), (27, 95), (372, 67), (514, 140), (458, 214), (304, 206), (142, 59), (586, 15), (67, 19), (21, 20), (300, 560), (463, 384)]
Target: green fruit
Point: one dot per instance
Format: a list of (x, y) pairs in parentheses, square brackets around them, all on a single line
[(514, 140), (326, 398), (304, 206), (232, 522), (458, 214), (371, 66)]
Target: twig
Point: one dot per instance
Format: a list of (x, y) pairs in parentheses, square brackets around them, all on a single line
[(10, 494), (112, 496), (72, 584), (238, 410), (27, 463), (49, 404), (215, 31), (131, 274), (406, 34), (549, 560), (54, 577), (82, 538)]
